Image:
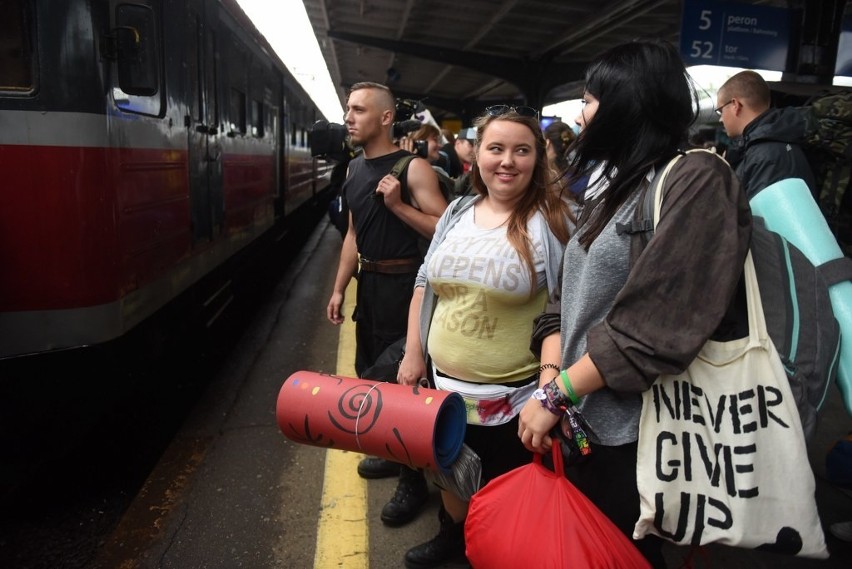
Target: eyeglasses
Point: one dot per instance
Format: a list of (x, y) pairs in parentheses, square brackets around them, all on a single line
[(497, 110), (718, 111)]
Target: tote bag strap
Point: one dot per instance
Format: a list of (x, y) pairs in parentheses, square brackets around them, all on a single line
[(757, 332)]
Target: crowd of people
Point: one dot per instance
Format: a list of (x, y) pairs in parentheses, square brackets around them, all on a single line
[(569, 308)]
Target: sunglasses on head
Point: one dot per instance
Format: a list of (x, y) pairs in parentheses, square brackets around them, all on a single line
[(497, 110)]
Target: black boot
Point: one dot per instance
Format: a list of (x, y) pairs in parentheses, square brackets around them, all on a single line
[(410, 497), (373, 467), (447, 546)]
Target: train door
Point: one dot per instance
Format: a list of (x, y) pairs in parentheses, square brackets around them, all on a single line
[(202, 121)]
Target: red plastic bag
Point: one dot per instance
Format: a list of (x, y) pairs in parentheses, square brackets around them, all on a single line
[(532, 517)]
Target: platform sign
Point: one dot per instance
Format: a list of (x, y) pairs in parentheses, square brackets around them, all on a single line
[(734, 34)]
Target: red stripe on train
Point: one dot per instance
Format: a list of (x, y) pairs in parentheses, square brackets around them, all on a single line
[(85, 226)]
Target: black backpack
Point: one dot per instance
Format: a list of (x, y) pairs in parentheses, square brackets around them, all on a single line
[(445, 183), (796, 305)]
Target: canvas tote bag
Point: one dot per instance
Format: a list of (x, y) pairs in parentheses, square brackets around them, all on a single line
[(722, 455)]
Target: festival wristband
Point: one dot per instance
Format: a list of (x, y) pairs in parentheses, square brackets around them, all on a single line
[(551, 398), (566, 381), (555, 395), (542, 398)]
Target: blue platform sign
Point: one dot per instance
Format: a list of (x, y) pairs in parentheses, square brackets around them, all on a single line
[(734, 34)]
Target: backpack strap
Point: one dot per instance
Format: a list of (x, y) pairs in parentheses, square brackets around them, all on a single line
[(460, 202), (644, 221), (836, 271), (401, 165), (397, 172), (642, 225)]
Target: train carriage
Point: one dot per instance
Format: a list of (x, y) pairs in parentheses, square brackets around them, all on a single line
[(143, 143)]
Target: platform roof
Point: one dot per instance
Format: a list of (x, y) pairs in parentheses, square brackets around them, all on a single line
[(460, 55)]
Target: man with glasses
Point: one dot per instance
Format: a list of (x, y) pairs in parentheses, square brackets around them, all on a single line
[(765, 142)]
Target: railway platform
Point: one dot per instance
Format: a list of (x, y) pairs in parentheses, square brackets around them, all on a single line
[(231, 491)]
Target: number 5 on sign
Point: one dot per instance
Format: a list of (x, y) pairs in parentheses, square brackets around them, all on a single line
[(705, 19)]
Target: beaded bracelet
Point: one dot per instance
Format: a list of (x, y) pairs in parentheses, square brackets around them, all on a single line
[(566, 381)]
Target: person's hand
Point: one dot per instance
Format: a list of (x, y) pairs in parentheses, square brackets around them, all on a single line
[(407, 143), (534, 426), (391, 191), (333, 309), (411, 368)]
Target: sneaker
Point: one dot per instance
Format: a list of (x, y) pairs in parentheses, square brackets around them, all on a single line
[(373, 467)]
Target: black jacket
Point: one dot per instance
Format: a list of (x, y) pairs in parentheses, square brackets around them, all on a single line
[(770, 150)]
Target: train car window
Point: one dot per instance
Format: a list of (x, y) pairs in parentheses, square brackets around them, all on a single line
[(137, 52), (238, 111), (257, 119), (293, 136), (16, 48), (214, 49), (194, 67), (236, 71)]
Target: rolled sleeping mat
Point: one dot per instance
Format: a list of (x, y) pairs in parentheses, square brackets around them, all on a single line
[(412, 425), (789, 209)]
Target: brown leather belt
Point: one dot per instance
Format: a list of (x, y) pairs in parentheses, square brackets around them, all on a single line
[(390, 266)]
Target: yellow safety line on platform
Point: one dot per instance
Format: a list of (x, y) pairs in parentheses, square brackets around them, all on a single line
[(342, 531)]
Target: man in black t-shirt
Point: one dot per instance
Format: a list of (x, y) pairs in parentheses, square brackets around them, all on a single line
[(381, 245)]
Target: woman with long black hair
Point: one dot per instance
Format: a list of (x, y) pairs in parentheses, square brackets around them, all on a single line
[(625, 314)]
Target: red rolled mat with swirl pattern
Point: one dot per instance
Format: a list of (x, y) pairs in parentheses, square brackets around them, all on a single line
[(412, 425)]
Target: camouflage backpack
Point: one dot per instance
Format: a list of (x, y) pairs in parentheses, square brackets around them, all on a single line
[(828, 147)]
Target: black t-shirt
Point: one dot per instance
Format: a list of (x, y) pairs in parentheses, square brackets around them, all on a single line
[(379, 234)]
